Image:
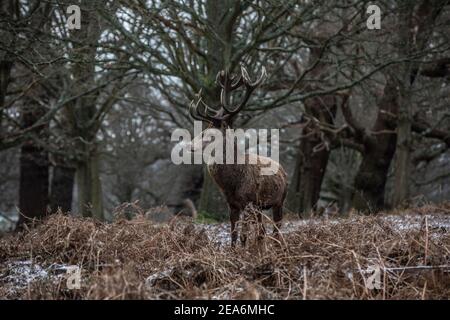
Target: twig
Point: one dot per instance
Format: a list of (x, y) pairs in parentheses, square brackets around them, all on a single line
[(426, 240), (305, 283), (409, 269)]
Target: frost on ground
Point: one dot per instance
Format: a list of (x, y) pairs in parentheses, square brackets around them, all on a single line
[(220, 232), (7, 222), (21, 273), (317, 258), (18, 275)]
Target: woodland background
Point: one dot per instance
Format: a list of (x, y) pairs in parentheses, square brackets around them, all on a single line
[(86, 115)]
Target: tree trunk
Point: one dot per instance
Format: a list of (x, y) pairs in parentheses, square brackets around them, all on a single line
[(7, 9), (421, 23), (33, 188), (5, 79), (62, 188), (90, 202), (221, 16), (34, 173), (309, 172), (370, 181), (311, 165), (88, 181), (5, 72), (403, 154)]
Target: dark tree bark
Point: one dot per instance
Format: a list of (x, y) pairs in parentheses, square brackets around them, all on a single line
[(34, 162), (62, 188), (414, 34), (312, 159), (310, 169), (7, 9), (437, 69), (311, 163), (371, 178), (5, 72), (34, 176), (90, 196)]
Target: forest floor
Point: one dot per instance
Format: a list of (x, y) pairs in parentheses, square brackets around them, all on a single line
[(394, 255)]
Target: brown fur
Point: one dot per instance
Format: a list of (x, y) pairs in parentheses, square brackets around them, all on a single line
[(243, 184)]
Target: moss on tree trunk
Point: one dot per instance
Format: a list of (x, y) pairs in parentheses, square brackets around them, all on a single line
[(90, 202)]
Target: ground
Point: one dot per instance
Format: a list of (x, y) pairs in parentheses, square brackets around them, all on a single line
[(396, 255)]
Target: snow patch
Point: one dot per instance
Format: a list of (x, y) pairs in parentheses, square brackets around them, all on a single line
[(220, 233), (20, 274)]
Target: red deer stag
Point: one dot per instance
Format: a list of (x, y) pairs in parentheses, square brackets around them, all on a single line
[(241, 184)]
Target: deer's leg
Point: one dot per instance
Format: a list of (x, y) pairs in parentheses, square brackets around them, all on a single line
[(261, 227), (234, 217), (277, 217), (243, 236), (245, 223), (244, 229)]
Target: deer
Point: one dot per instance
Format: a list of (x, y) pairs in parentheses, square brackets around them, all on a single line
[(242, 185)]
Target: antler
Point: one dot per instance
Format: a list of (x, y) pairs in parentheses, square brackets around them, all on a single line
[(249, 87), (228, 83), (197, 114)]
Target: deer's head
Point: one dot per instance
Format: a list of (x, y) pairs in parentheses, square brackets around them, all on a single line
[(222, 116), (227, 109)]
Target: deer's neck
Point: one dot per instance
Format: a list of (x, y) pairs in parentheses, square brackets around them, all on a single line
[(227, 175), (225, 149)]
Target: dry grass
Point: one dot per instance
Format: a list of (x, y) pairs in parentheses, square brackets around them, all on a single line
[(318, 259)]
